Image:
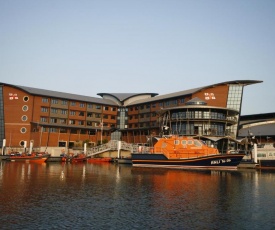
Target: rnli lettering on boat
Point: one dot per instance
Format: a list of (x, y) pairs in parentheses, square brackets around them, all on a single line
[(220, 161)]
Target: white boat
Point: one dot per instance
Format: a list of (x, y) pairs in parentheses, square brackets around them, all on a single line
[(265, 156)]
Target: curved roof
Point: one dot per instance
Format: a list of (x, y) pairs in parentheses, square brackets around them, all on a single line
[(192, 91), (124, 96)]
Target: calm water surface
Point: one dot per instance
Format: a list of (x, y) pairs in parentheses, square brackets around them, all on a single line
[(111, 196)]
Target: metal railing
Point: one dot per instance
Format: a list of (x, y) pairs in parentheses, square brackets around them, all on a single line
[(113, 146)]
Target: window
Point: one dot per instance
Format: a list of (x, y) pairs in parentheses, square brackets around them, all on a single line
[(54, 101), (73, 103), (24, 118), (98, 107), (89, 114), (64, 111), (25, 98), (62, 130), (25, 108), (64, 102), (82, 105), (80, 122), (45, 100), (81, 114), (53, 120), (74, 131), (43, 119), (63, 121), (90, 106), (106, 108), (23, 130), (44, 109), (53, 110), (53, 130), (71, 122), (72, 113), (113, 109)]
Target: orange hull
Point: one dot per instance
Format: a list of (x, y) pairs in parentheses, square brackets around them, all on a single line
[(35, 159), (99, 159)]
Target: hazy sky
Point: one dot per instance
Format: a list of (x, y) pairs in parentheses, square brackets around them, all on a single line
[(135, 46)]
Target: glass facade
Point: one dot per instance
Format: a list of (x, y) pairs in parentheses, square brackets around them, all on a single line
[(234, 101), (199, 122), (122, 118)]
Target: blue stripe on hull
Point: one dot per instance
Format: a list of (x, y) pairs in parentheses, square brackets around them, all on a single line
[(209, 161)]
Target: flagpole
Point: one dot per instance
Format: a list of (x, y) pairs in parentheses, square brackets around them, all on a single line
[(101, 124)]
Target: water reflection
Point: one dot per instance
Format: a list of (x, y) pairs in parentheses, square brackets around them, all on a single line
[(110, 196)]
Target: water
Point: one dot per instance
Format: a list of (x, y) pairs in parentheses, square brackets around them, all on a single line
[(111, 196)]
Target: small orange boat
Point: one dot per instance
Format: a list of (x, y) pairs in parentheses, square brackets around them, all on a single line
[(99, 159), (185, 152), (36, 158)]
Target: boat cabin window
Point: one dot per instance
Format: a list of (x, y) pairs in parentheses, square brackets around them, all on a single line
[(190, 142), (184, 142), (197, 143), (261, 155), (176, 142)]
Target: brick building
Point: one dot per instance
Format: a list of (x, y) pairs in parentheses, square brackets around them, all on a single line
[(55, 119)]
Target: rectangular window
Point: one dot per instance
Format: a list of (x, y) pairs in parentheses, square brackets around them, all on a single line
[(63, 121), (44, 109), (43, 119), (90, 106), (80, 122), (45, 100), (82, 105), (106, 108), (53, 110), (64, 102), (53, 130), (97, 115), (62, 130), (89, 114), (72, 112), (54, 101), (71, 122), (73, 103), (53, 120), (64, 111), (81, 114), (98, 107)]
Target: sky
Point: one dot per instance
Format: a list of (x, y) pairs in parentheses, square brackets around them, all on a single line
[(88, 47)]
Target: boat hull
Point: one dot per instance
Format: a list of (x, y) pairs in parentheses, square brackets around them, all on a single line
[(54, 159), (228, 161), (99, 159), (266, 164), (35, 159)]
